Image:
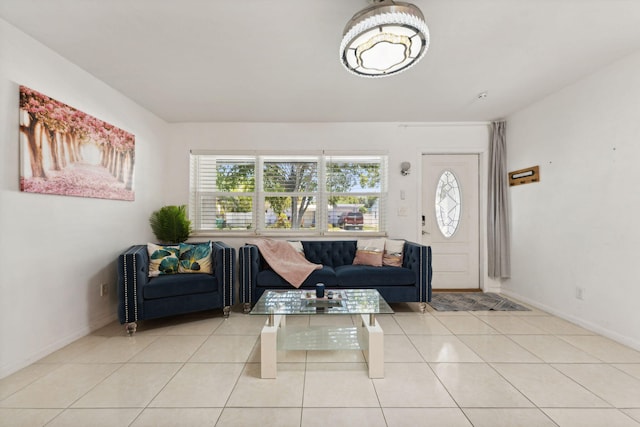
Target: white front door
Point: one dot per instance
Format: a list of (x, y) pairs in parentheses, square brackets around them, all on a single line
[(450, 219)]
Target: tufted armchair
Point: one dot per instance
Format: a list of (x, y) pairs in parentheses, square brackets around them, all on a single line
[(141, 297)]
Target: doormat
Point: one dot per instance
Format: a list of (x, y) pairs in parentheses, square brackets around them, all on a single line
[(473, 301)]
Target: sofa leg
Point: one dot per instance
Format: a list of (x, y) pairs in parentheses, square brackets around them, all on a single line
[(226, 310), (247, 307), (131, 328), (423, 307)]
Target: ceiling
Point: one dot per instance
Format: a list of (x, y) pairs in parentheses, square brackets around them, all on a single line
[(190, 60)]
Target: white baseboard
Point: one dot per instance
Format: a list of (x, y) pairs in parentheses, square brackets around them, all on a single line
[(622, 339), (496, 289), (95, 324)]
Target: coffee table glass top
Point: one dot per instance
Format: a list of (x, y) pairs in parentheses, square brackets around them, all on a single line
[(344, 301)]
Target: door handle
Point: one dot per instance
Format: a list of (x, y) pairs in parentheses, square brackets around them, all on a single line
[(425, 232)]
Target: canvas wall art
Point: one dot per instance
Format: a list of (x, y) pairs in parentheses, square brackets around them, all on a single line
[(67, 152)]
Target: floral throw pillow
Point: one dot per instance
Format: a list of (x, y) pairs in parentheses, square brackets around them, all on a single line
[(195, 258), (369, 252), (162, 259)]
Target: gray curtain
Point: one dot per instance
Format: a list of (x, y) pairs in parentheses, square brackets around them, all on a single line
[(498, 218)]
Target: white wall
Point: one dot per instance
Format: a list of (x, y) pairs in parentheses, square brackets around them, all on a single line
[(57, 250), (580, 227), (402, 142)]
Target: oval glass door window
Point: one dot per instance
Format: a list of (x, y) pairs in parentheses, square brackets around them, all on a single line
[(448, 204)]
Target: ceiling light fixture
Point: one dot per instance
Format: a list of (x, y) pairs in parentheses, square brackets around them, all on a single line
[(384, 39)]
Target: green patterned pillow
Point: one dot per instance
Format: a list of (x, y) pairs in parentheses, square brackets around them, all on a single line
[(195, 258), (162, 259)]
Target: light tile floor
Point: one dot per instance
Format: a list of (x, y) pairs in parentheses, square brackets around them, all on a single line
[(441, 369)]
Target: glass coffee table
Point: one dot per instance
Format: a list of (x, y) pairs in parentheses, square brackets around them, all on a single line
[(277, 305)]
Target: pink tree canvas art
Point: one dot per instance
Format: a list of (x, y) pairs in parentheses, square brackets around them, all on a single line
[(70, 153)]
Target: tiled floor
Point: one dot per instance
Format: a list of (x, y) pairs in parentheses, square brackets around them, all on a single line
[(441, 369)]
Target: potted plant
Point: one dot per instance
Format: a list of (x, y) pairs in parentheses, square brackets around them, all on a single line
[(170, 224)]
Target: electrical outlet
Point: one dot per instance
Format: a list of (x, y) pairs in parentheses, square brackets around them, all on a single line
[(579, 293), (104, 289)]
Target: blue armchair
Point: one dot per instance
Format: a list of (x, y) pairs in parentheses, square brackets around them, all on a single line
[(141, 297)]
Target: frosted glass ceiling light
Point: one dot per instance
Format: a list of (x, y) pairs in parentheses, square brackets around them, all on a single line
[(384, 39)]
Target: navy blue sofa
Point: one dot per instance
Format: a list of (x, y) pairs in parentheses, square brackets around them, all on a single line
[(141, 297), (409, 283)]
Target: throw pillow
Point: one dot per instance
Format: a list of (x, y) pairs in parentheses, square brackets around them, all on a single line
[(297, 245), (369, 252), (162, 259), (393, 253), (195, 258)]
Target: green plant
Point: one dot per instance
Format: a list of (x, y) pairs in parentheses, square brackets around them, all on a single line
[(170, 224)]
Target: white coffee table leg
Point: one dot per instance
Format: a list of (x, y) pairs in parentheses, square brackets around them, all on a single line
[(376, 346), (269, 347)]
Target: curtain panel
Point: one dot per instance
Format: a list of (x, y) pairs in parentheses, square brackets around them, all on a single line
[(498, 216)]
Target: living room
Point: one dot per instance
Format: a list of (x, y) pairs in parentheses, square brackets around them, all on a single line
[(575, 229)]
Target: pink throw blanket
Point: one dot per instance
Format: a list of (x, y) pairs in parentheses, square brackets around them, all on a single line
[(285, 260)]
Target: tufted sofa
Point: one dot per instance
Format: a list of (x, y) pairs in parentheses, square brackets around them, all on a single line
[(141, 297), (409, 283)]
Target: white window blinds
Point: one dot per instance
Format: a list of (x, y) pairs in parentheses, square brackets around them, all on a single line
[(270, 194)]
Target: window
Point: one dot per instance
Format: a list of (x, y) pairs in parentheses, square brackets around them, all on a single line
[(355, 185), (448, 203), (222, 192), (302, 193)]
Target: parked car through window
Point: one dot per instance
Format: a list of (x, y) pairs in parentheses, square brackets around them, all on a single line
[(351, 221)]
